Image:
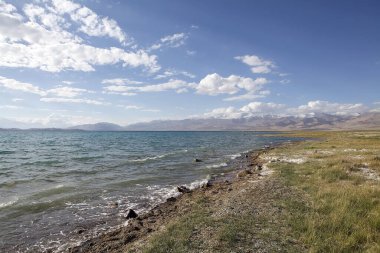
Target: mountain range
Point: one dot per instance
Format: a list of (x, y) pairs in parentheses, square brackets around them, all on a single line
[(264, 123)]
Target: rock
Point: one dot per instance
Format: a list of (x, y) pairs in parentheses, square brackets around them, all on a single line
[(80, 231), (243, 173), (259, 167), (196, 160), (183, 189), (246, 156), (131, 214), (207, 184), (171, 199)]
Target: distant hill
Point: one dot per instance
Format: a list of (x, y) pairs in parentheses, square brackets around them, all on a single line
[(264, 123), (319, 121), (102, 126)]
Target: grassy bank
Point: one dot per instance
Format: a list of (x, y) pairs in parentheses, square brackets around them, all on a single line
[(323, 196), (340, 177)]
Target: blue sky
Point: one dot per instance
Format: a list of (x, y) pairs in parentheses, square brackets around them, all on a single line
[(72, 62)]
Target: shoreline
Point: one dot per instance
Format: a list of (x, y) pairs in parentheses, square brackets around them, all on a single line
[(248, 163)]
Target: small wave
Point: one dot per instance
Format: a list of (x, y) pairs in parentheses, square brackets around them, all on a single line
[(234, 156), (158, 156), (149, 158), (199, 183), (214, 166), (8, 203)]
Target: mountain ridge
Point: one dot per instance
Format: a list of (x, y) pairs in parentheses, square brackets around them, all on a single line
[(257, 123)]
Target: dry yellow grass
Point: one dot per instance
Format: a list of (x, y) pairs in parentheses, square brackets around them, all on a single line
[(340, 176)]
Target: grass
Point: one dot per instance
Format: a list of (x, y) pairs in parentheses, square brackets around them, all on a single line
[(345, 206)]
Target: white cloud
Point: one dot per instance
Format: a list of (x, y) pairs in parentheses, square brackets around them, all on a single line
[(120, 81), (73, 100), (13, 84), (71, 56), (310, 109), (249, 110), (9, 10), (214, 84), (257, 64), (133, 107), (68, 92), (260, 108), (319, 106), (173, 84), (89, 22), (174, 40), (171, 72), (249, 96), (224, 113), (40, 41), (55, 120)]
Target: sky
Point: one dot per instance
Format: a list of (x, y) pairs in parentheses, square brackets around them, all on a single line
[(70, 62)]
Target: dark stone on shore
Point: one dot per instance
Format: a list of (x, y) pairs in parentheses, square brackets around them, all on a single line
[(196, 160), (207, 184), (171, 199), (80, 231), (131, 214), (246, 156), (183, 189)]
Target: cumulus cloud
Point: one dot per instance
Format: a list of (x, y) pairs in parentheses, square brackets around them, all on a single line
[(214, 84), (310, 109), (257, 64), (224, 113), (319, 106), (41, 40), (89, 22)]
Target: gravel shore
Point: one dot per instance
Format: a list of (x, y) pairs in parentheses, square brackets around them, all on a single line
[(250, 191)]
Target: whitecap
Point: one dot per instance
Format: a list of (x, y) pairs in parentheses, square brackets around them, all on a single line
[(8, 203), (214, 166), (234, 156)]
